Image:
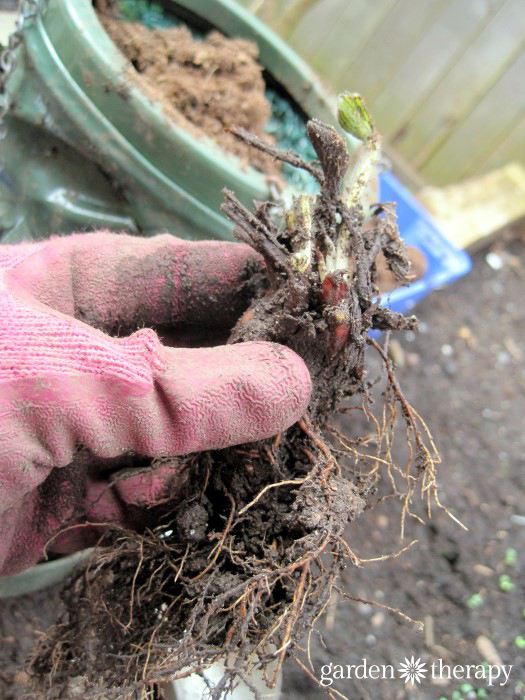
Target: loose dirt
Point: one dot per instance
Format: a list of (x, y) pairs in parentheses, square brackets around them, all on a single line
[(387, 282), (205, 86)]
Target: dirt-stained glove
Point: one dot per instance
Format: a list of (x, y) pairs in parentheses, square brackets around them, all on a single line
[(79, 382)]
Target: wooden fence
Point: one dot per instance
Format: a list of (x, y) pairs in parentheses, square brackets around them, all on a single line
[(444, 79)]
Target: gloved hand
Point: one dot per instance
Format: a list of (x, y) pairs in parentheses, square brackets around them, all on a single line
[(76, 400)]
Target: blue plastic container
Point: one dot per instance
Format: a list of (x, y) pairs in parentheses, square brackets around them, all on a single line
[(445, 262)]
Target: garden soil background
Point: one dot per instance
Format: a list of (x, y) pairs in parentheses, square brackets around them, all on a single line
[(465, 375)]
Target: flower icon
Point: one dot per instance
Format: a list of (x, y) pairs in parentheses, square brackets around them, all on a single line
[(413, 670)]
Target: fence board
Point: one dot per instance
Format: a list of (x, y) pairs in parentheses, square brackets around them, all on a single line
[(469, 145), (377, 62), (512, 147), (431, 58), (444, 79), (334, 32), (480, 67)]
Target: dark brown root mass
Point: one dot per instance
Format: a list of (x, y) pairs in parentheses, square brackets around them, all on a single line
[(246, 557)]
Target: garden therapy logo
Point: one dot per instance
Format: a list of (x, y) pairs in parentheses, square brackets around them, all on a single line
[(412, 671), (415, 671)]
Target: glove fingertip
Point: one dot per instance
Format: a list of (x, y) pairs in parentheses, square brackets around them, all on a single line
[(285, 386)]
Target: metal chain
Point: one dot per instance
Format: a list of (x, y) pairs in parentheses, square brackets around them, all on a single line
[(27, 10)]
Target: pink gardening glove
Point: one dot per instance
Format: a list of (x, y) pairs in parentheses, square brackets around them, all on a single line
[(76, 401)]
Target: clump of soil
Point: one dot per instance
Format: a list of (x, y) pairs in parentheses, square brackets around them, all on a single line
[(246, 556), (205, 86), (387, 282)]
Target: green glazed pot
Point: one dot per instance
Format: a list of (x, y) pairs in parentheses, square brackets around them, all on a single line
[(86, 149), (41, 576)]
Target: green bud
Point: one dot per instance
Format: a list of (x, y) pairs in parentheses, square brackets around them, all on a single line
[(353, 116), (475, 601), (511, 557), (520, 642), (506, 584)]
